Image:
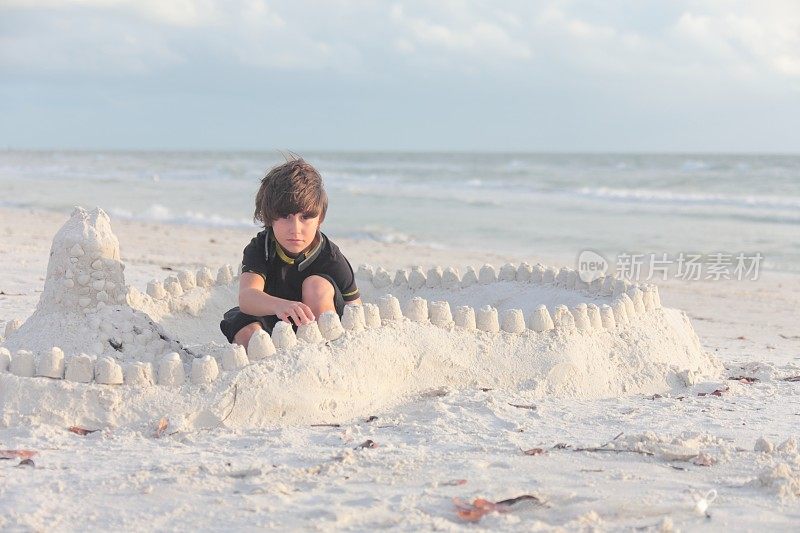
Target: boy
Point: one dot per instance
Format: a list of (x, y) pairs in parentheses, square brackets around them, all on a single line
[(291, 271)]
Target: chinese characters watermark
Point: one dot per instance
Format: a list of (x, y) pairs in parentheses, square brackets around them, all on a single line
[(683, 265)]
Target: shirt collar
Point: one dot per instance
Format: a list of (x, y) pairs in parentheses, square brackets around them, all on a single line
[(303, 260)]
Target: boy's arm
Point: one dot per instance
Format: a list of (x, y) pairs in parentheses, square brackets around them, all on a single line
[(254, 301)]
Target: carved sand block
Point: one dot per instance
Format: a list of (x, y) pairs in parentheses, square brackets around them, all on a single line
[(309, 333), (173, 286), (434, 277), (630, 307), (541, 320), (204, 278), (80, 369), (636, 295), (416, 279), (537, 273), (187, 279), (572, 279), (365, 272), (513, 321), (330, 325), (155, 289), (13, 325), (390, 308), (524, 273), (595, 320), (470, 278), (563, 319), (607, 318), (417, 310), (508, 272), (561, 277), (224, 276), (372, 316), (205, 370), (139, 374), (401, 277), (235, 356), (107, 371), (23, 364), (486, 319), (581, 316), (381, 278), (259, 347), (451, 279), (487, 275), (353, 318), (283, 337), (620, 311), (51, 364), (441, 315), (465, 318), (549, 275), (171, 372)]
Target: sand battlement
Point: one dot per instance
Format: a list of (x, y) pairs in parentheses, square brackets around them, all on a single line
[(522, 326)]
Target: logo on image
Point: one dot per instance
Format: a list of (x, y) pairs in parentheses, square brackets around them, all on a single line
[(591, 265)]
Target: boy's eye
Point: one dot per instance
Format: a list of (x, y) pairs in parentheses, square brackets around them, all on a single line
[(308, 216)]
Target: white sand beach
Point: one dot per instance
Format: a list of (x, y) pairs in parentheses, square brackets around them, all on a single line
[(716, 454), (573, 228)]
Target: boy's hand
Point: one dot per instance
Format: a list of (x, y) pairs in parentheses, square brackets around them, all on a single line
[(298, 312)]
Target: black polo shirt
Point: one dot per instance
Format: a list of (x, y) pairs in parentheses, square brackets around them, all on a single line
[(283, 278)]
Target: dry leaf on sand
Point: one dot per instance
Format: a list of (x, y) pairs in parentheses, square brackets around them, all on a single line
[(473, 512), (161, 427), (81, 431), (534, 451), (17, 454)]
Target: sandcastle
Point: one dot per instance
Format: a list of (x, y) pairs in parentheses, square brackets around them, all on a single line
[(97, 351)]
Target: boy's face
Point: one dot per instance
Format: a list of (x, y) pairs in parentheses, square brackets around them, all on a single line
[(295, 232)]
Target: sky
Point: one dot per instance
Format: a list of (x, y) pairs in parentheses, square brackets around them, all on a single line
[(548, 76)]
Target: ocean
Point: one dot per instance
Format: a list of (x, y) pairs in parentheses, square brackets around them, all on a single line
[(536, 205)]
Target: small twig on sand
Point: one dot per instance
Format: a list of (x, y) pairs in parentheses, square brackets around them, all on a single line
[(613, 450), (621, 433), (326, 425), (235, 395), (521, 406)]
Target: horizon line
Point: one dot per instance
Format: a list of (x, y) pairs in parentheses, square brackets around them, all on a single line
[(373, 151)]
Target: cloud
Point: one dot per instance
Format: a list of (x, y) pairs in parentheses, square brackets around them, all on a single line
[(738, 39), (110, 37), (184, 13), (751, 39), (476, 36), (71, 43)]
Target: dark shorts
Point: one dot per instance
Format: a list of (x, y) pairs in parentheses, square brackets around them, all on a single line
[(234, 319)]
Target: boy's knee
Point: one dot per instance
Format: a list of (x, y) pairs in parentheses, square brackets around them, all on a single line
[(317, 288), (243, 335)]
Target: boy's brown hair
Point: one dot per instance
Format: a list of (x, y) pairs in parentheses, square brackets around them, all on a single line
[(293, 187)]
